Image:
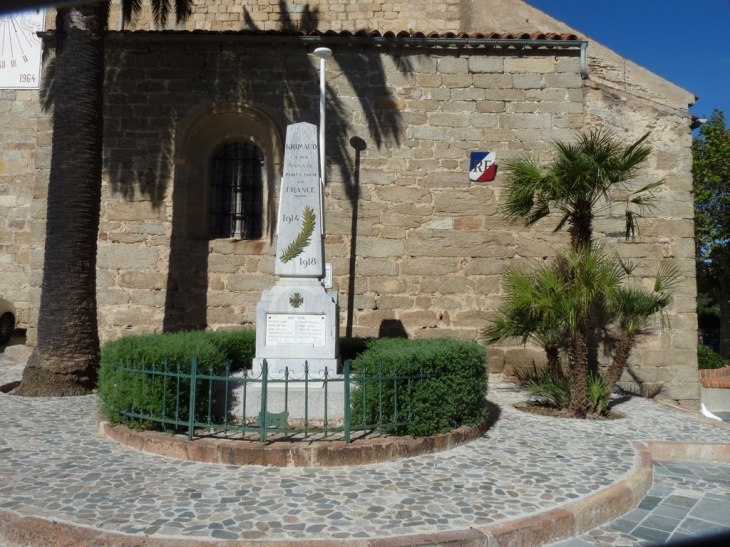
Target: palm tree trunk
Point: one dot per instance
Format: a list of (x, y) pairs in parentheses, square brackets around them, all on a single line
[(581, 229), (553, 360), (66, 357), (616, 368), (579, 374)]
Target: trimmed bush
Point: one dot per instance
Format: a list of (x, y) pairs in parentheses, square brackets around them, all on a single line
[(350, 348), (238, 346), (706, 358), (452, 394), (149, 394)]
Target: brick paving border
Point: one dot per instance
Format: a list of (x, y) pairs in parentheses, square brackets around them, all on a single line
[(717, 378), (290, 454)]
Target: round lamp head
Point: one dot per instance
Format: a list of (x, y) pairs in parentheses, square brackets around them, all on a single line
[(323, 52)]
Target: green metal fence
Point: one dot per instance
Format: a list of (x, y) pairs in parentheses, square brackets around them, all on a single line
[(198, 401)]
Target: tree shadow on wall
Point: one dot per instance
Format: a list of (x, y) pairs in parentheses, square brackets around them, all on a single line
[(365, 74), (150, 90)]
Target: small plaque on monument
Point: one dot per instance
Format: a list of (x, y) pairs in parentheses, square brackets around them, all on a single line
[(307, 329), (299, 246)]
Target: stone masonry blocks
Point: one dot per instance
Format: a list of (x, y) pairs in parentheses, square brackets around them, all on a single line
[(430, 244)]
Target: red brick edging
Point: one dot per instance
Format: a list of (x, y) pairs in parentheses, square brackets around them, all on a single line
[(717, 377), (289, 454)]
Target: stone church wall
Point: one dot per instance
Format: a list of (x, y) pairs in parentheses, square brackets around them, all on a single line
[(24, 153), (425, 15), (429, 244)]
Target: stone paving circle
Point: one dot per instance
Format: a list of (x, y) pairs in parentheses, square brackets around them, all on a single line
[(54, 464)]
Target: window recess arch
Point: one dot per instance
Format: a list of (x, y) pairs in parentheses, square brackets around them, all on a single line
[(199, 140)]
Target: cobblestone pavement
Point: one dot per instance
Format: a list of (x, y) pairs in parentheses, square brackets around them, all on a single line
[(687, 500), (54, 464)]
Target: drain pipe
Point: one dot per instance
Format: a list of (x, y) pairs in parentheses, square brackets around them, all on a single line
[(584, 60)]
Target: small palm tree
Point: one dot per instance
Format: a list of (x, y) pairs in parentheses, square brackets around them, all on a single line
[(575, 183), (632, 309), (528, 314), (552, 305), (592, 277)]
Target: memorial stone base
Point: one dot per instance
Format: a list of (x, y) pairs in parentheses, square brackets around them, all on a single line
[(297, 321), (296, 399)]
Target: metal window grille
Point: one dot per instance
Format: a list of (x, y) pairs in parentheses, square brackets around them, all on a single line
[(237, 200)]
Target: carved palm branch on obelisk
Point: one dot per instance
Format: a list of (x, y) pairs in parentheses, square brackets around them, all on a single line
[(301, 242)]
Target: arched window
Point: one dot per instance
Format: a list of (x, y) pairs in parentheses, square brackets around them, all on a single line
[(219, 150), (237, 192)]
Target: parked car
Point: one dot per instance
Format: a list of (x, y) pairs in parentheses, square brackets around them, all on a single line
[(7, 320)]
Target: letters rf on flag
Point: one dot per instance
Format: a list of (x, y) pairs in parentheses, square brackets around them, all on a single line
[(483, 167)]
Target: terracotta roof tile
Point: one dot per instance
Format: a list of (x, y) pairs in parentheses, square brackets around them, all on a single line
[(403, 34)]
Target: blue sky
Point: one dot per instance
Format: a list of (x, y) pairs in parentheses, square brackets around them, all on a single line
[(684, 41)]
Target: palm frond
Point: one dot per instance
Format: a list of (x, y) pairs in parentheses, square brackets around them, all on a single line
[(627, 265), (577, 181), (160, 11), (524, 181), (183, 10), (651, 186), (131, 9), (633, 156), (528, 312), (667, 277)]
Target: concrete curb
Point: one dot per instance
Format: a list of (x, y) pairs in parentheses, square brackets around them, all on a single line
[(554, 525), (693, 413), (289, 454)]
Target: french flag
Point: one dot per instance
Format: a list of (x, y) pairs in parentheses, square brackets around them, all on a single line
[(483, 167)]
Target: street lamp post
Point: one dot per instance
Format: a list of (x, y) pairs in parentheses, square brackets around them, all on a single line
[(323, 53)]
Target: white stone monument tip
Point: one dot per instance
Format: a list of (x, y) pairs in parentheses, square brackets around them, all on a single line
[(299, 250)]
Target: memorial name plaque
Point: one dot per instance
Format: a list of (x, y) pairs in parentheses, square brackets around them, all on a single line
[(307, 330)]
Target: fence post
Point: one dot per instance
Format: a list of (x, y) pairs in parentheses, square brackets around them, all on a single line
[(262, 414), (193, 387), (326, 388), (306, 399), (346, 371)]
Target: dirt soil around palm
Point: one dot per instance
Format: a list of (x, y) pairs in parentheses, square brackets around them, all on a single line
[(564, 413)]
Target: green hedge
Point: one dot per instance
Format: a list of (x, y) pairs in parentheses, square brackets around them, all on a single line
[(706, 358), (454, 396), (126, 391), (350, 348), (238, 346)]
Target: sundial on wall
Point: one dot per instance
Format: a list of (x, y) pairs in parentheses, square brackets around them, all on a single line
[(20, 49)]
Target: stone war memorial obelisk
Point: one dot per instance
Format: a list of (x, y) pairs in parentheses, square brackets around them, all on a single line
[(298, 319)]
